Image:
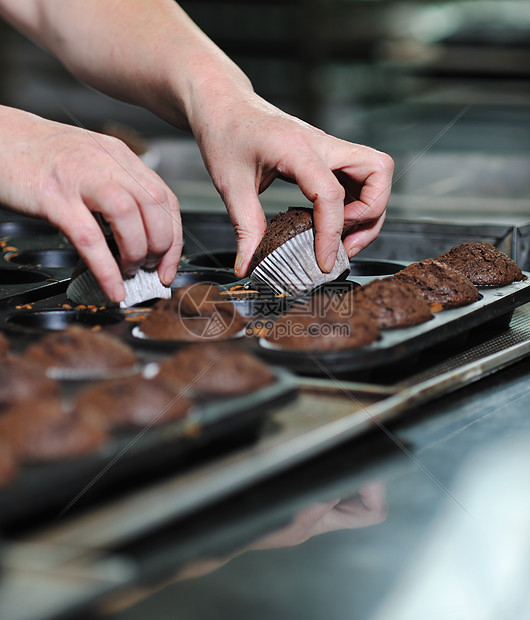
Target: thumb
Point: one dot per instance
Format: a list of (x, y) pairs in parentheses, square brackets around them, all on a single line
[(249, 224)]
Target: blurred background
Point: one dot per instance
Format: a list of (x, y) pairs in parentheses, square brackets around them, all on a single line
[(442, 86)]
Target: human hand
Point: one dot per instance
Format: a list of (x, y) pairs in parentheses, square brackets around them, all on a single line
[(246, 143), (66, 174), (368, 507)]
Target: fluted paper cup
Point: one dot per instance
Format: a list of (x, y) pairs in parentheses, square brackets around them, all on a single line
[(144, 285), (292, 268)]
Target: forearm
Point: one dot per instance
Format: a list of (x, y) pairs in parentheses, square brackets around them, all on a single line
[(145, 52)]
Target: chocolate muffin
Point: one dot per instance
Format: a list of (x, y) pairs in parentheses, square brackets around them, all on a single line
[(391, 303), (21, 380), (282, 227), (482, 263), (80, 348), (439, 284), (42, 430), (133, 402), (215, 369), (285, 261), (8, 464), (197, 312), (305, 328), (4, 345)]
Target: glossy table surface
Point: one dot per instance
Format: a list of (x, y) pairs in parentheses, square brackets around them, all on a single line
[(429, 519)]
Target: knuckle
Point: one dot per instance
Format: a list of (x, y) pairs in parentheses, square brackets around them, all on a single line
[(85, 237), (113, 143), (161, 243), (335, 192), (133, 253), (386, 163), (156, 194), (121, 204)]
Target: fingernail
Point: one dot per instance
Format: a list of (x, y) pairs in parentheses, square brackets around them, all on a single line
[(131, 271), (118, 293), (352, 251), (169, 276), (329, 263), (240, 259)]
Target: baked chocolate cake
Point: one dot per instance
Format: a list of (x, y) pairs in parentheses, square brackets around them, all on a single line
[(282, 227), (80, 348), (21, 380), (482, 263), (194, 313), (4, 345), (133, 402), (215, 369), (305, 328), (285, 260), (438, 283), (8, 464), (391, 303), (42, 430)]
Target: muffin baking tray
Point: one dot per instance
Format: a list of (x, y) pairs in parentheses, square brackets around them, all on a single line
[(38, 263), (131, 457), (395, 348), (36, 260), (398, 347)]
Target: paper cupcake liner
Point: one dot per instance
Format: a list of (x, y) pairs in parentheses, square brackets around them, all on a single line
[(292, 268), (60, 373), (136, 332), (144, 285)]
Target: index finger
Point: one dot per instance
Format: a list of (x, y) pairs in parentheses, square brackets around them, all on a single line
[(85, 234), (319, 185)]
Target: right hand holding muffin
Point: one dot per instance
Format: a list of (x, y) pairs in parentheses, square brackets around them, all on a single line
[(64, 174), (246, 143)]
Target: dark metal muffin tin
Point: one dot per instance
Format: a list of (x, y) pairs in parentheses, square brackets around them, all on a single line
[(132, 456), (36, 260), (219, 259), (402, 346), (217, 423), (225, 420), (37, 263)]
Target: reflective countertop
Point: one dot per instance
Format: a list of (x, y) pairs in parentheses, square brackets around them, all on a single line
[(429, 518)]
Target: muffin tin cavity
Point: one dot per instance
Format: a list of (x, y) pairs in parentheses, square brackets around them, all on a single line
[(368, 267), (216, 260), (12, 277), (55, 258), (57, 319), (255, 304), (26, 229), (213, 276)]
